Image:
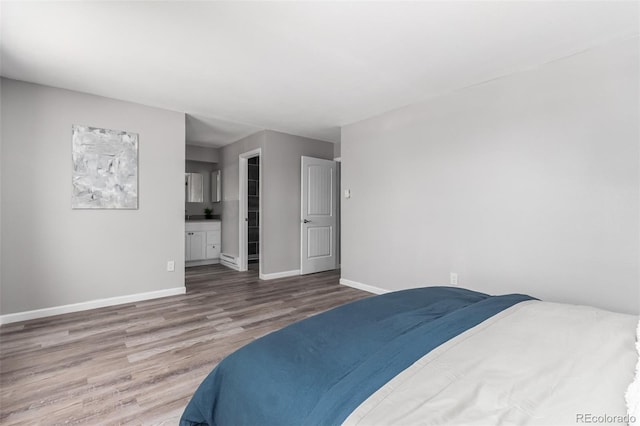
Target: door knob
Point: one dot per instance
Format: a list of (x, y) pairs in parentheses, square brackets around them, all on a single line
[(306, 221)]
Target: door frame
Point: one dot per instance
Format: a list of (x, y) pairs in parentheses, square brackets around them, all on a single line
[(338, 161), (243, 255)]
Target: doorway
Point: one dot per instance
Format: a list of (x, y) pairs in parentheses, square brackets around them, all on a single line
[(253, 211), (250, 211)]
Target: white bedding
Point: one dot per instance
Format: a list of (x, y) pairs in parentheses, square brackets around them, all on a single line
[(633, 391), (535, 363)]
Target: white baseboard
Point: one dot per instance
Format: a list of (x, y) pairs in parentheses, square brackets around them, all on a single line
[(283, 274), (190, 263), (365, 287), (92, 304), (229, 265), (229, 261)]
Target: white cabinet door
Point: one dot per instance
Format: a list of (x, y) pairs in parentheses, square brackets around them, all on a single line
[(197, 245), (202, 241), (213, 244)]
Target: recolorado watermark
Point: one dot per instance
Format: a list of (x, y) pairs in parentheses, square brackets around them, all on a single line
[(604, 418)]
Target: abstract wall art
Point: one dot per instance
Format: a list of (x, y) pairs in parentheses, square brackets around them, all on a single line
[(105, 168)]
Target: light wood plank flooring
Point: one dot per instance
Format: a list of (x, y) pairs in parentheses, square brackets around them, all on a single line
[(140, 363)]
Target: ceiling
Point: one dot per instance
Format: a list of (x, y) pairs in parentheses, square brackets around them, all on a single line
[(305, 68)]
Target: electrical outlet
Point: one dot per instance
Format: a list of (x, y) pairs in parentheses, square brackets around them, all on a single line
[(453, 278), (171, 266)]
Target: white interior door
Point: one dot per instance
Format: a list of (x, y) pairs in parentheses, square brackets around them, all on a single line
[(318, 216)]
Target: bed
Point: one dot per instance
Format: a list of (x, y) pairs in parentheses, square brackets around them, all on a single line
[(434, 355)]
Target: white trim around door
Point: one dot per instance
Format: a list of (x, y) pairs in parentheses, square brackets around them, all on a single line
[(243, 258)]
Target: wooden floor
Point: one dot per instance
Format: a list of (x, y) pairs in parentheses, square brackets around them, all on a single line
[(140, 363)]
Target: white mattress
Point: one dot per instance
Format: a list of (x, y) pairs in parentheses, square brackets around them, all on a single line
[(536, 363)]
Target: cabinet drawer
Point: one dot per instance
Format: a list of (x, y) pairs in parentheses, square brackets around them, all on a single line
[(212, 225)]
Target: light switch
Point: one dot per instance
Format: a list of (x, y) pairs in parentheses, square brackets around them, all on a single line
[(347, 193), (453, 278)]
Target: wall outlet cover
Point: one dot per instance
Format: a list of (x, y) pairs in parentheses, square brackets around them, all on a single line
[(453, 278)]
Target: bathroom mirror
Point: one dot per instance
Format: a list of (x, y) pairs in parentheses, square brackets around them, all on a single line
[(194, 187), (216, 187)]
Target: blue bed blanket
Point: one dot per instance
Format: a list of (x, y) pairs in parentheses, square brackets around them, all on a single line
[(317, 371)]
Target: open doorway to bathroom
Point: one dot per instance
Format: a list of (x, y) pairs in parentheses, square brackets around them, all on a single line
[(250, 212), (253, 212)]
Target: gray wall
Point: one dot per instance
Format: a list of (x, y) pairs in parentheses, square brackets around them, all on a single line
[(529, 183), (53, 255), (281, 197), (202, 153), (230, 175), (280, 221), (205, 168)]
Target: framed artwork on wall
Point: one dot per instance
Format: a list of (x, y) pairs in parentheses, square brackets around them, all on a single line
[(105, 168)]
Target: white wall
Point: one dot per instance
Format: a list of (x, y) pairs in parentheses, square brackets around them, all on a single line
[(53, 255), (529, 183)]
